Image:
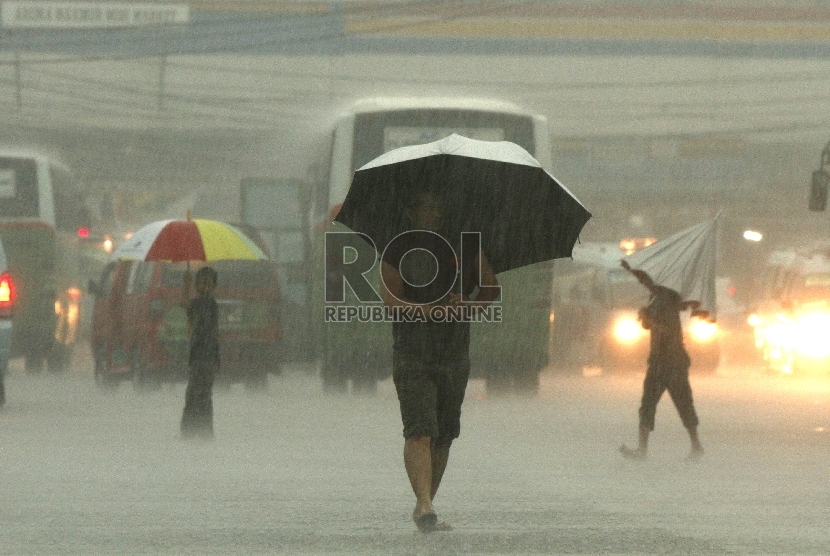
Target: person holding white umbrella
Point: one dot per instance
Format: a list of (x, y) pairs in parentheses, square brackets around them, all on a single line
[(680, 274), (668, 364)]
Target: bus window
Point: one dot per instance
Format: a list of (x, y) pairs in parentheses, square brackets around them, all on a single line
[(379, 132), (18, 188)]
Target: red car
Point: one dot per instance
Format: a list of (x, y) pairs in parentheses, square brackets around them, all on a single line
[(139, 328)]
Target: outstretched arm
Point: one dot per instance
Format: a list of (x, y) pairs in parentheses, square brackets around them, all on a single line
[(185, 300), (187, 280), (641, 276)]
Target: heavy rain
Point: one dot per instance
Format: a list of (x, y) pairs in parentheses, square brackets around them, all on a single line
[(251, 119)]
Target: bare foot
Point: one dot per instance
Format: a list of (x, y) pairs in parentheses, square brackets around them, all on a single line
[(631, 453), (443, 526), (426, 522), (695, 454)]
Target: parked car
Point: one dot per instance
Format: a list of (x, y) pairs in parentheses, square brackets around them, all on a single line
[(7, 300), (139, 328)]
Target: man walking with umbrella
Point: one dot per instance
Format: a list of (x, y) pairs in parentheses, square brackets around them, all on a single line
[(515, 212), (431, 362)]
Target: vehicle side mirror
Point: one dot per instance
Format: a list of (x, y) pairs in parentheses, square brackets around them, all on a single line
[(818, 190), (92, 287)]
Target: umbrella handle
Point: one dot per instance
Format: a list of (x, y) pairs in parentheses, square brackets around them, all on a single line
[(186, 283)]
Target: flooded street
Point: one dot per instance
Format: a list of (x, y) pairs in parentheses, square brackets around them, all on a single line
[(295, 471)]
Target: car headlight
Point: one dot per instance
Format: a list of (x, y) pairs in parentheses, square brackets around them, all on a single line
[(779, 333), (627, 329), (812, 334), (702, 330)]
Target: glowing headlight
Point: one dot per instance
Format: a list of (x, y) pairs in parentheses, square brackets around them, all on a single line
[(780, 333), (627, 329), (812, 334), (754, 320), (702, 331)]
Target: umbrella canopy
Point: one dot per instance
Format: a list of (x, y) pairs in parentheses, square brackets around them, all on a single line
[(685, 263), (523, 213), (188, 240)]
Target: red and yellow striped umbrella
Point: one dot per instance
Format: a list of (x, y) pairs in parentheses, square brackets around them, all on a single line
[(188, 240)]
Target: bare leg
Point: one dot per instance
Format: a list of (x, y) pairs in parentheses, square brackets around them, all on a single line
[(417, 457), (697, 449), (440, 456), (642, 445)]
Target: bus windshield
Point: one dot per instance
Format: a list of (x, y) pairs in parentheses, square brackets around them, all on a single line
[(378, 132), (18, 188)]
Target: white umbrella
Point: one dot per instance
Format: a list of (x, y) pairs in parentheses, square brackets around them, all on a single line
[(684, 262)]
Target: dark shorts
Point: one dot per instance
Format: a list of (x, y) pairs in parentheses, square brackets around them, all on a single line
[(431, 395), (674, 377)]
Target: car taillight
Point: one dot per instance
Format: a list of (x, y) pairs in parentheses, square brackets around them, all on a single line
[(7, 295)]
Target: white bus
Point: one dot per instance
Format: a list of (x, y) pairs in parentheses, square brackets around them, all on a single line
[(41, 211), (292, 218), (510, 354)]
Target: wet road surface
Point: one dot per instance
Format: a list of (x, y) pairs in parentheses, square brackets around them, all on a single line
[(294, 471)]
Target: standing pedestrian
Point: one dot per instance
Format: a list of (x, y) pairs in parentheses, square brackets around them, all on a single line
[(668, 364), (203, 359), (431, 361)]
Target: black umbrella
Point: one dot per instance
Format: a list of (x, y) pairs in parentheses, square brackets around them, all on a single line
[(498, 189)]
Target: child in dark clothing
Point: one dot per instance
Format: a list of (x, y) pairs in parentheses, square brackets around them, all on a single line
[(203, 360), (668, 364)]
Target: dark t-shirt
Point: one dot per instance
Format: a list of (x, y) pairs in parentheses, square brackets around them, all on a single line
[(429, 341), (662, 316), (203, 313)]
